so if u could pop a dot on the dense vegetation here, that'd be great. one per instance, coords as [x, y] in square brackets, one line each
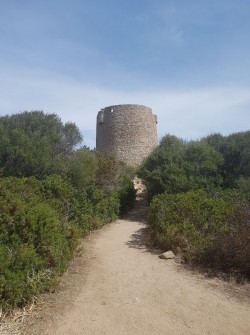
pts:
[199, 193]
[51, 193]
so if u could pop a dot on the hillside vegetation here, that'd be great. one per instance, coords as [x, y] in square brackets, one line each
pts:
[52, 191]
[199, 193]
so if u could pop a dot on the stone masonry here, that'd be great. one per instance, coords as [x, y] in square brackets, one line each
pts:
[126, 131]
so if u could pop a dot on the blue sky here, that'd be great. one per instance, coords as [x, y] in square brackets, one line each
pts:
[189, 60]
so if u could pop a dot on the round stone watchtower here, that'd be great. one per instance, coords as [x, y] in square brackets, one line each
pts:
[126, 131]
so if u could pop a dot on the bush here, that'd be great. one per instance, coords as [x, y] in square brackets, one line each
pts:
[243, 187]
[36, 144]
[66, 194]
[230, 250]
[212, 230]
[127, 196]
[40, 222]
[35, 245]
[60, 194]
[176, 166]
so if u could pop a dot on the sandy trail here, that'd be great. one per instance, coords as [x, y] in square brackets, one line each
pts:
[126, 289]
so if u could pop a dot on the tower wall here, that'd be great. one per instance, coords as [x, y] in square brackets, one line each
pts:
[126, 131]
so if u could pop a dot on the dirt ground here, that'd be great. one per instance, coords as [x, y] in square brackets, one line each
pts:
[118, 285]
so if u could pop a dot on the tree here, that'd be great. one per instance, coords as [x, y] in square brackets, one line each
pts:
[202, 165]
[235, 149]
[82, 168]
[177, 166]
[163, 170]
[36, 144]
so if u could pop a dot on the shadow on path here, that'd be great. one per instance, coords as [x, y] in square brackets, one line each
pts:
[141, 239]
[139, 212]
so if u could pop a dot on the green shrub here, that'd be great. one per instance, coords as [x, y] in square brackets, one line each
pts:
[71, 193]
[243, 187]
[176, 166]
[213, 230]
[82, 168]
[94, 208]
[60, 194]
[230, 249]
[36, 144]
[40, 222]
[35, 245]
[127, 196]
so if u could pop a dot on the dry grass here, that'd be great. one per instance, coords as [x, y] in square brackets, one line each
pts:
[12, 323]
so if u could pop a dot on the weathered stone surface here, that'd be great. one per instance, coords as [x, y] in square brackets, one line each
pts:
[140, 188]
[126, 131]
[167, 255]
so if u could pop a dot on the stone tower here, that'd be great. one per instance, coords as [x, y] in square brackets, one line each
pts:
[126, 131]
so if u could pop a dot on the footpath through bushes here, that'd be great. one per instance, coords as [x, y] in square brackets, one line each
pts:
[40, 224]
[51, 194]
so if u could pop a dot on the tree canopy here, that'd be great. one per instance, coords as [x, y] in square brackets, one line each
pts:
[178, 166]
[35, 143]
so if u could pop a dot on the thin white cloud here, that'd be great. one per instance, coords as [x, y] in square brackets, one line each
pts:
[177, 34]
[187, 114]
[199, 112]
[142, 17]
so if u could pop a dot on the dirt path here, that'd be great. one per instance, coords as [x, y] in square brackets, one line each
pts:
[126, 289]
